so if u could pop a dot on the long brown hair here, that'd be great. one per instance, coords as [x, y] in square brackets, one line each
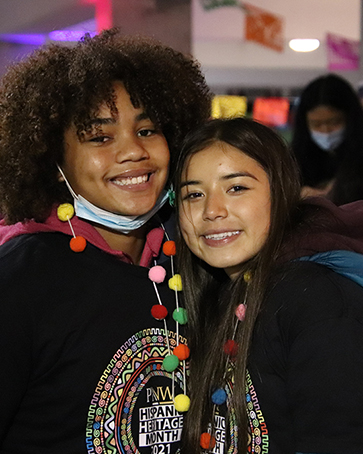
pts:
[210, 297]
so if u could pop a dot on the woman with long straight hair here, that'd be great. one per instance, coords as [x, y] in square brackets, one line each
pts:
[273, 292]
[328, 139]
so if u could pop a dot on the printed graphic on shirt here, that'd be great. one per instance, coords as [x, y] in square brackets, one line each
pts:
[132, 408]
[227, 442]
[258, 429]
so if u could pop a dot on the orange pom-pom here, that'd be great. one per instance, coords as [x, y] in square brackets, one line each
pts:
[169, 248]
[182, 351]
[78, 244]
[207, 441]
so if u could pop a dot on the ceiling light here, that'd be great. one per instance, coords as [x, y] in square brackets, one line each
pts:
[304, 45]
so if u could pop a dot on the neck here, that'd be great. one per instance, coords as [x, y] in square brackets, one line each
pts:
[131, 244]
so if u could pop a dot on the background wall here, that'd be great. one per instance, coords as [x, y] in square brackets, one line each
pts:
[166, 20]
[215, 37]
[229, 61]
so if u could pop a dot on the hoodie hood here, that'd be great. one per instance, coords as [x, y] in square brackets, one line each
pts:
[152, 246]
[331, 236]
[325, 227]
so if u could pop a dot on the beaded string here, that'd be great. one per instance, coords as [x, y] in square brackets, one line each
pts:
[219, 396]
[157, 275]
[65, 213]
[181, 352]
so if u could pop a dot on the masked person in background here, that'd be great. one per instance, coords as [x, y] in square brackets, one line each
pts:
[92, 128]
[328, 140]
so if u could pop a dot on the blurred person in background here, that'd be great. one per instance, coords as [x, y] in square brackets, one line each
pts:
[328, 140]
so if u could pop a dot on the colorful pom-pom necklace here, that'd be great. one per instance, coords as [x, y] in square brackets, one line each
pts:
[181, 352]
[219, 395]
[65, 213]
[157, 275]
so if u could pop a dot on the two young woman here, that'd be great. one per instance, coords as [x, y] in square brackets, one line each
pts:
[273, 288]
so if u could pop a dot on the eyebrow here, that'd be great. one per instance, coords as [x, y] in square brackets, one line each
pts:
[107, 121]
[227, 177]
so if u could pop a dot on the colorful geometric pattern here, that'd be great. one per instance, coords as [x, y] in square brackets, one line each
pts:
[132, 408]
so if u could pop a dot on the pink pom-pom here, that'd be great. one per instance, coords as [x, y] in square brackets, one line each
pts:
[157, 274]
[241, 312]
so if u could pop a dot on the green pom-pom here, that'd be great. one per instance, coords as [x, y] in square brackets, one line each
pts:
[180, 315]
[170, 363]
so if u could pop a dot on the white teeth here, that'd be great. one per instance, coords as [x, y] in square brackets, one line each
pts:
[131, 181]
[221, 236]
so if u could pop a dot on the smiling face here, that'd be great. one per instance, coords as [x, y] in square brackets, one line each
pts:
[121, 165]
[225, 207]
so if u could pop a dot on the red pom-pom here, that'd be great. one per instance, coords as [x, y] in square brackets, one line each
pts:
[78, 244]
[159, 311]
[230, 347]
[169, 248]
[182, 352]
[207, 441]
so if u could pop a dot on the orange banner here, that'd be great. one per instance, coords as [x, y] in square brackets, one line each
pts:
[271, 111]
[264, 28]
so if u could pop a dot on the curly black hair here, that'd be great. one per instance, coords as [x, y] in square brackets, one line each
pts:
[58, 86]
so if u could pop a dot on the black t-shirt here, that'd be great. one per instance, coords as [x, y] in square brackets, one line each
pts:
[306, 362]
[81, 355]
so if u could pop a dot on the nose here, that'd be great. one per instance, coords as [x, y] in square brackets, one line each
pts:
[130, 148]
[326, 127]
[214, 208]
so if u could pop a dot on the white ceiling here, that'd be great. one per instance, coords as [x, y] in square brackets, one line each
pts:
[216, 37]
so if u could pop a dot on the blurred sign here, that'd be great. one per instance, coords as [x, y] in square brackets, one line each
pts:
[343, 53]
[211, 4]
[264, 28]
[229, 106]
[271, 111]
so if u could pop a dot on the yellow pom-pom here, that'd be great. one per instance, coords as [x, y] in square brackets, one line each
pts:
[175, 283]
[65, 212]
[181, 403]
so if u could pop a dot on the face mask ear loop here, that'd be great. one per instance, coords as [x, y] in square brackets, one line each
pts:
[74, 195]
[171, 195]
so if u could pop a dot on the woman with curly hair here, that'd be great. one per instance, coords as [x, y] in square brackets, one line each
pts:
[95, 126]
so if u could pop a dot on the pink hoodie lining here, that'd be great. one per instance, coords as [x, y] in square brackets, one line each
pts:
[151, 249]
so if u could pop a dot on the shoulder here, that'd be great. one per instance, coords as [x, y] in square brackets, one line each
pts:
[46, 256]
[303, 294]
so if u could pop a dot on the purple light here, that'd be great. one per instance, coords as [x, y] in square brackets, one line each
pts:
[68, 35]
[35, 39]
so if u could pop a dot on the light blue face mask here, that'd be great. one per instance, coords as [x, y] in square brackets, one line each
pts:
[124, 224]
[328, 141]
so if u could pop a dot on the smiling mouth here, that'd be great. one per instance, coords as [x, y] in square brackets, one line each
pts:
[132, 181]
[221, 236]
